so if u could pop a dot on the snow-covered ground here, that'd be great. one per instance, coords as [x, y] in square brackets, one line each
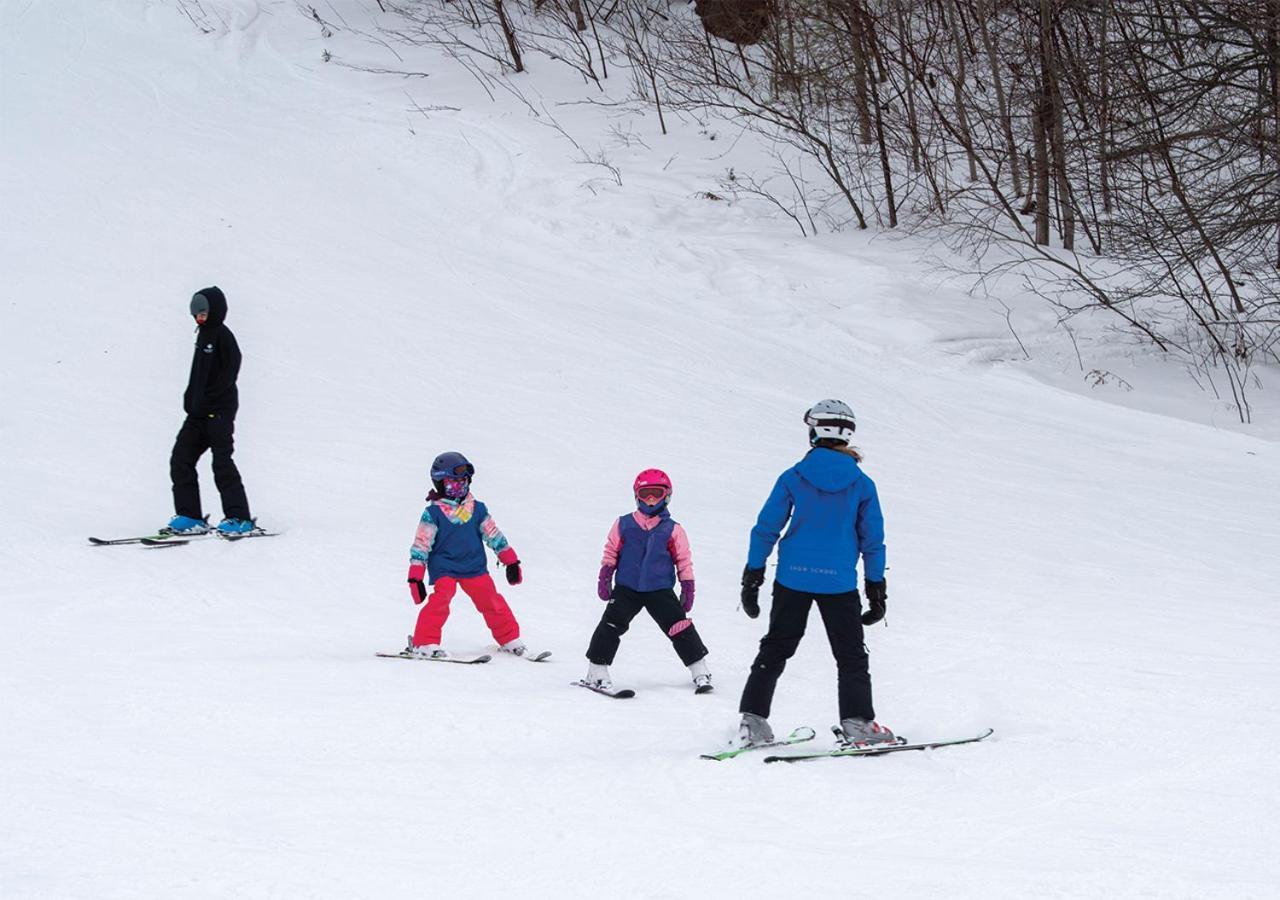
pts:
[1092, 572]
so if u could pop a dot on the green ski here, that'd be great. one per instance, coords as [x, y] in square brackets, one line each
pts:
[799, 736]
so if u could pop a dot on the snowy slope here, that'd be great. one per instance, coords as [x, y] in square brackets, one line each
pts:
[1095, 581]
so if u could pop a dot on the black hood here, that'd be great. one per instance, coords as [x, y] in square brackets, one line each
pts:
[217, 306]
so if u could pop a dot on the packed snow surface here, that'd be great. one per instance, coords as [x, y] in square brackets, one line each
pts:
[412, 267]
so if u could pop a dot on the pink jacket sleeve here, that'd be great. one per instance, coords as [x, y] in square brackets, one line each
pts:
[612, 544]
[680, 552]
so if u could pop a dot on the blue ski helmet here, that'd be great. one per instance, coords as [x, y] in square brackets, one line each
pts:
[451, 465]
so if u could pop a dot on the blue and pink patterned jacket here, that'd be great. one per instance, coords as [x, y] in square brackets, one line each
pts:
[451, 538]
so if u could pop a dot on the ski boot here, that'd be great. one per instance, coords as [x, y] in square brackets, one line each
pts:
[425, 651]
[186, 525]
[701, 677]
[515, 648]
[754, 730]
[861, 733]
[598, 677]
[230, 527]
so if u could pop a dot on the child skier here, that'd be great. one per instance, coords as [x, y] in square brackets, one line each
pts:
[835, 517]
[644, 554]
[448, 549]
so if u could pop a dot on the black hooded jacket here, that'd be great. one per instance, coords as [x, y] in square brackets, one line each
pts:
[211, 389]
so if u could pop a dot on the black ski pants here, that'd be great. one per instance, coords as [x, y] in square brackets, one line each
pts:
[665, 609]
[216, 433]
[788, 615]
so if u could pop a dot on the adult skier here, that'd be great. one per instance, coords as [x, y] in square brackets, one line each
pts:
[834, 516]
[645, 553]
[448, 552]
[211, 402]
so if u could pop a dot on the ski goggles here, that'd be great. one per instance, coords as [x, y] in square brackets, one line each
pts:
[829, 422]
[652, 493]
[462, 470]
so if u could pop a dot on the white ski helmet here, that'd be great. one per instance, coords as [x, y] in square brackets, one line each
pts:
[831, 419]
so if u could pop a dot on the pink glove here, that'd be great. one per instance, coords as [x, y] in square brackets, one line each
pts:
[417, 590]
[686, 595]
[604, 585]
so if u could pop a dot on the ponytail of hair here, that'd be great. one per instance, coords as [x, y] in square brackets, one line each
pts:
[840, 447]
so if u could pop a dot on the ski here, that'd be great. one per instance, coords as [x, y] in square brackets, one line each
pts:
[172, 539]
[112, 542]
[179, 540]
[880, 750]
[799, 736]
[541, 656]
[623, 694]
[460, 660]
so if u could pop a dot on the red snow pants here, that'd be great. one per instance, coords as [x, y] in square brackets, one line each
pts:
[483, 593]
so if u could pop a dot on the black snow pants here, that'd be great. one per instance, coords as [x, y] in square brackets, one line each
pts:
[788, 615]
[216, 433]
[665, 609]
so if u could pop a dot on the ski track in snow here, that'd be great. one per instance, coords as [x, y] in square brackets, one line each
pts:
[1094, 581]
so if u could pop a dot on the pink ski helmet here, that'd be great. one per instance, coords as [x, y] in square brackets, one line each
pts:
[652, 490]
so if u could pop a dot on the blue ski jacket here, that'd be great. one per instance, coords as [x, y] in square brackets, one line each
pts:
[835, 518]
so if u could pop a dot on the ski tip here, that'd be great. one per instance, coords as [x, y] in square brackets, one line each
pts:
[541, 656]
[258, 532]
[528, 656]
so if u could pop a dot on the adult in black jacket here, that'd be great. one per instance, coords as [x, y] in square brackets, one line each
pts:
[211, 402]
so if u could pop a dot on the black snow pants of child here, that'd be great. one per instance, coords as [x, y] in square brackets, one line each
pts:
[216, 433]
[665, 609]
[842, 616]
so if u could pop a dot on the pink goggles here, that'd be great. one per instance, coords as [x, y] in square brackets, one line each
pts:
[652, 493]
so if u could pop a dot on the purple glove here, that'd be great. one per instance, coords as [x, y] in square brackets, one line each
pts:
[604, 586]
[686, 594]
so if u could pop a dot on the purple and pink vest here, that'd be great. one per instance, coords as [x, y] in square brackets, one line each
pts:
[644, 560]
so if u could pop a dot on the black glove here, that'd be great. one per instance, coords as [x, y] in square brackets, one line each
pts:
[419, 589]
[751, 581]
[513, 573]
[877, 594]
